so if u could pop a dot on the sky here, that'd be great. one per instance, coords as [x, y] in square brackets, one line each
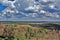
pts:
[29, 10]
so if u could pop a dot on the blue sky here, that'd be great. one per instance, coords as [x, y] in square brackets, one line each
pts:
[2, 7]
[29, 10]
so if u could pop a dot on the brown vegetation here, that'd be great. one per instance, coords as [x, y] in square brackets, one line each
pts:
[26, 32]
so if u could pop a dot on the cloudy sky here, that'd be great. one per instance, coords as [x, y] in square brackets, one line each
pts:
[29, 10]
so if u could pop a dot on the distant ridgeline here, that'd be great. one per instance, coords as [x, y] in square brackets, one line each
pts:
[2, 7]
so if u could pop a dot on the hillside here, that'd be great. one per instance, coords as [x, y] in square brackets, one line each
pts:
[29, 31]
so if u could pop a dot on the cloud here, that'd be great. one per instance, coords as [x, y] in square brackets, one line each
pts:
[33, 9]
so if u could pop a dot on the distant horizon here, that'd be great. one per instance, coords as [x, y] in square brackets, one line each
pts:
[34, 21]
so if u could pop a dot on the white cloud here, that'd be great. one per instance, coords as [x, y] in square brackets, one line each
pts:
[17, 11]
[9, 3]
[30, 8]
[52, 15]
[45, 0]
[34, 15]
[4, 13]
[48, 0]
[34, 8]
[42, 11]
[52, 6]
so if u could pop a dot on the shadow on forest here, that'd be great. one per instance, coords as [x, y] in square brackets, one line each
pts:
[47, 26]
